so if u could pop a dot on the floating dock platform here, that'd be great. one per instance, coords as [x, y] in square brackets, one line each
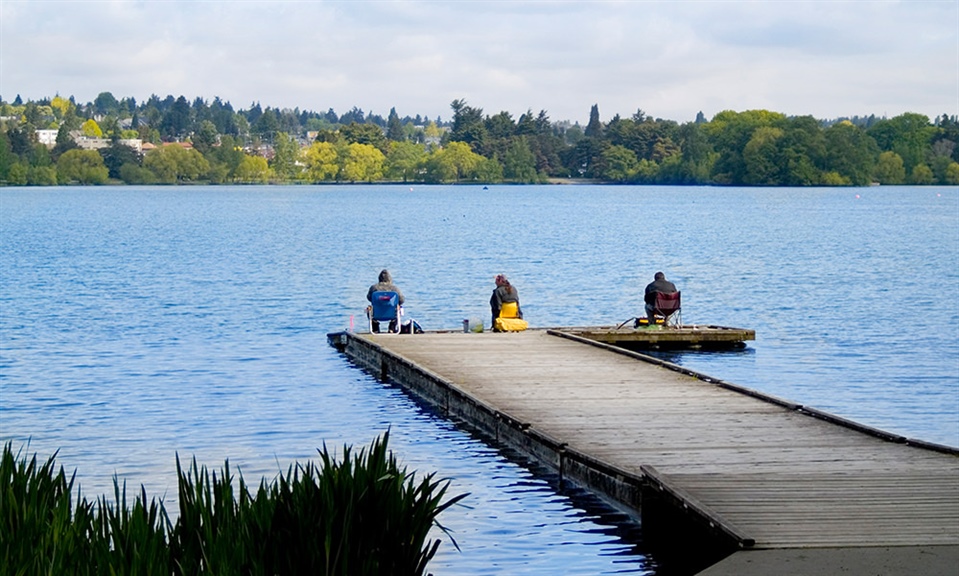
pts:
[662, 336]
[741, 482]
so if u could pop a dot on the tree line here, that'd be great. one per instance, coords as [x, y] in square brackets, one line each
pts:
[211, 142]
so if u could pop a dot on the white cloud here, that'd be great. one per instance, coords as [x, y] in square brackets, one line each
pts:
[672, 59]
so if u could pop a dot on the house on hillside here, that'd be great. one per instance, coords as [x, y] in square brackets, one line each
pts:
[47, 137]
[88, 143]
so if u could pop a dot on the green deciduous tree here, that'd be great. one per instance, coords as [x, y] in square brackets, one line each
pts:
[951, 176]
[253, 170]
[405, 160]
[639, 134]
[730, 132]
[363, 163]
[487, 171]
[91, 129]
[456, 161]
[921, 174]
[851, 153]
[106, 103]
[162, 164]
[696, 159]
[940, 156]
[286, 152]
[762, 158]
[619, 164]
[802, 152]
[755, 147]
[908, 135]
[519, 163]
[890, 169]
[431, 131]
[321, 161]
[835, 179]
[111, 127]
[7, 157]
[174, 164]
[649, 172]
[82, 167]
[42, 176]
[61, 107]
[224, 159]
[18, 174]
[136, 174]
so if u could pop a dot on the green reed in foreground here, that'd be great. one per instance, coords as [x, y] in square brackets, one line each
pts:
[361, 514]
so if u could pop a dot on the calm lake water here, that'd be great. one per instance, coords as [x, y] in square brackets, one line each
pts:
[137, 323]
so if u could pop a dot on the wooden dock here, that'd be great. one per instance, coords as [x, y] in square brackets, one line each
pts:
[774, 483]
[661, 336]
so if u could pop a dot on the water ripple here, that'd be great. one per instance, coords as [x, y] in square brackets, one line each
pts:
[138, 324]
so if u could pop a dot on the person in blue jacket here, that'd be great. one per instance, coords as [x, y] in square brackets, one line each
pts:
[385, 284]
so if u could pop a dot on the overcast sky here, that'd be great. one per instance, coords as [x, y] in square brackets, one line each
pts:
[672, 59]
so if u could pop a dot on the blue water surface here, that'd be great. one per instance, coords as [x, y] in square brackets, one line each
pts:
[138, 323]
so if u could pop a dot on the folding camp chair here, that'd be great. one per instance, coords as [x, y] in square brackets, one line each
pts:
[668, 307]
[385, 307]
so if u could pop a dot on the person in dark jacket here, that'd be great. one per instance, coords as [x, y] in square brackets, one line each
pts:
[659, 284]
[385, 284]
[503, 293]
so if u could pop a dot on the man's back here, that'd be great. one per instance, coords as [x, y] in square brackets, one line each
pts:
[659, 284]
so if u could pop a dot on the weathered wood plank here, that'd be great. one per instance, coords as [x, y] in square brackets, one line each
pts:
[687, 335]
[784, 478]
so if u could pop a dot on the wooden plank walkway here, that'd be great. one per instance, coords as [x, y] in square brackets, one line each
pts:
[776, 475]
[686, 336]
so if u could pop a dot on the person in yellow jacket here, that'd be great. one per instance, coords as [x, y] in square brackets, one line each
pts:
[504, 302]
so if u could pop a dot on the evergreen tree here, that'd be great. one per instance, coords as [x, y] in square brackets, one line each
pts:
[177, 122]
[468, 124]
[394, 128]
[595, 128]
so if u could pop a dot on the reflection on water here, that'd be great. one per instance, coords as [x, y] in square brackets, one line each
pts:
[695, 356]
